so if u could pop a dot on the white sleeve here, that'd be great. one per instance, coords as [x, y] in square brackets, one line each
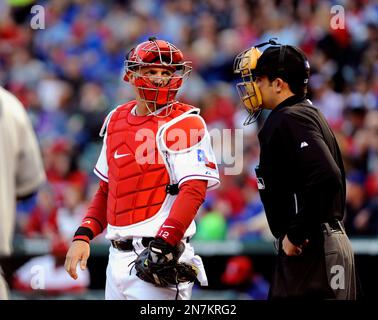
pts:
[198, 162]
[30, 172]
[101, 167]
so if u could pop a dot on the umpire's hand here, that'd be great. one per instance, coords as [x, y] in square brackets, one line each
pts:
[78, 251]
[291, 249]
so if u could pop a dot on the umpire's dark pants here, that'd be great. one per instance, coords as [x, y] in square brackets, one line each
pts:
[324, 270]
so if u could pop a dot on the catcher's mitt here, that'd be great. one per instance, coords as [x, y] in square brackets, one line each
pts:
[158, 264]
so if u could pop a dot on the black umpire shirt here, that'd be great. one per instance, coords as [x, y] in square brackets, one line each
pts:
[301, 176]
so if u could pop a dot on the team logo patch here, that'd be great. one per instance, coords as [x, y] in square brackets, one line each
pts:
[201, 156]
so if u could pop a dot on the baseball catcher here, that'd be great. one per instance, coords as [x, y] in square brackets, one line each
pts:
[155, 167]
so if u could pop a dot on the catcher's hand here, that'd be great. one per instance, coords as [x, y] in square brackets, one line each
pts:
[158, 264]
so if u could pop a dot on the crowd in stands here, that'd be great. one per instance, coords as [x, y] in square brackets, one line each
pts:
[69, 76]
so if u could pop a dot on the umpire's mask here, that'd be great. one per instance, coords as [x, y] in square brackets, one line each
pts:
[250, 95]
[278, 61]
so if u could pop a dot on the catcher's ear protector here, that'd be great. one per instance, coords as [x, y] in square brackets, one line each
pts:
[156, 54]
[250, 95]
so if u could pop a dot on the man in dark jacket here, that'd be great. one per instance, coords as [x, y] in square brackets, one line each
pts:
[300, 177]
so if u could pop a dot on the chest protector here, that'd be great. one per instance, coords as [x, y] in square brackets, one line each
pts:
[137, 174]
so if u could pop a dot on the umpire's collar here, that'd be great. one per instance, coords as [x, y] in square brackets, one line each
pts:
[289, 102]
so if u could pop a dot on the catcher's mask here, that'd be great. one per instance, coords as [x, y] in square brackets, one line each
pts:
[160, 54]
[278, 61]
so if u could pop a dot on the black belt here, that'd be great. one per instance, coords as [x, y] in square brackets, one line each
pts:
[127, 245]
[332, 225]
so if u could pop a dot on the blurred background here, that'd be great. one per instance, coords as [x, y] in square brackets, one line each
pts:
[69, 75]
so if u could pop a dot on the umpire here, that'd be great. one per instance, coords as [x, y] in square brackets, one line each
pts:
[301, 177]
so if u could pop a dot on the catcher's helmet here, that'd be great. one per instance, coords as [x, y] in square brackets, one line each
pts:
[278, 61]
[162, 54]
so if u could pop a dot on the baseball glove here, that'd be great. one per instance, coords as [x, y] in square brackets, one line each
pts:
[158, 264]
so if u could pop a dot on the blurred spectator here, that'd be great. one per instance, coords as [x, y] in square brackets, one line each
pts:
[45, 275]
[327, 100]
[362, 153]
[355, 112]
[371, 127]
[361, 212]
[239, 274]
[41, 221]
[72, 211]
[62, 168]
[251, 224]
[48, 218]
[211, 226]
[219, 108]
[93, 108]
[229, 193]
[25, 70]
